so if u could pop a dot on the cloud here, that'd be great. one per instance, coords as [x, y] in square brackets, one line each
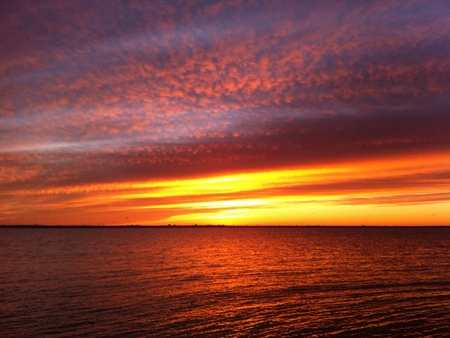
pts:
[260, 146]
[103, 92]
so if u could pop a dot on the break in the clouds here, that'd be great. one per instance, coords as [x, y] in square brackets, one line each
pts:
[109, 92]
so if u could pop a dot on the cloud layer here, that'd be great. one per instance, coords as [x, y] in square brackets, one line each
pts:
[111, 92]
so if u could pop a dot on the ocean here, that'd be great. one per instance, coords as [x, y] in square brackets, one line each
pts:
[225, 282]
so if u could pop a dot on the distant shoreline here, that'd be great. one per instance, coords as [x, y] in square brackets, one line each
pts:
[223, 226]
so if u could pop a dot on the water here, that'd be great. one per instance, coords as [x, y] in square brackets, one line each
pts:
[262, 282]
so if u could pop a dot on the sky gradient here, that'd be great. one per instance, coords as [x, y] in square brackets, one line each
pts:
[225, 112]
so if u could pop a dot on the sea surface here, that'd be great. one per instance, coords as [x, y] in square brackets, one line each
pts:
[225, 282]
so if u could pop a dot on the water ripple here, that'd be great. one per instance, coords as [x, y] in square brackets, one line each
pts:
[216, 282]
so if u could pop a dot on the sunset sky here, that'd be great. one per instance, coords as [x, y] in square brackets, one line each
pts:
[225, 112]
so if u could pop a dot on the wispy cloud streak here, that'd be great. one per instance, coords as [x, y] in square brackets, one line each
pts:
[108, 92]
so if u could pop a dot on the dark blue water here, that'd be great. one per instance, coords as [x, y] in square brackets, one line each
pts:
[262, 282]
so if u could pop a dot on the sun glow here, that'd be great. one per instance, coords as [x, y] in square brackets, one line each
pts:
[316, 195]
[353, 193]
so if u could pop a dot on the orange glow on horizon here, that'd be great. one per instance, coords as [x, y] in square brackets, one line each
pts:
[238, 113]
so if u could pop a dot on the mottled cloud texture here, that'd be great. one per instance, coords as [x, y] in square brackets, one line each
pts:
[116, 92]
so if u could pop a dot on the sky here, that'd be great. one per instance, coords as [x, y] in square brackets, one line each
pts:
[225, 112]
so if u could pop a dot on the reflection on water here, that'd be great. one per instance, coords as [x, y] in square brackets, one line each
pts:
[225, 281]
